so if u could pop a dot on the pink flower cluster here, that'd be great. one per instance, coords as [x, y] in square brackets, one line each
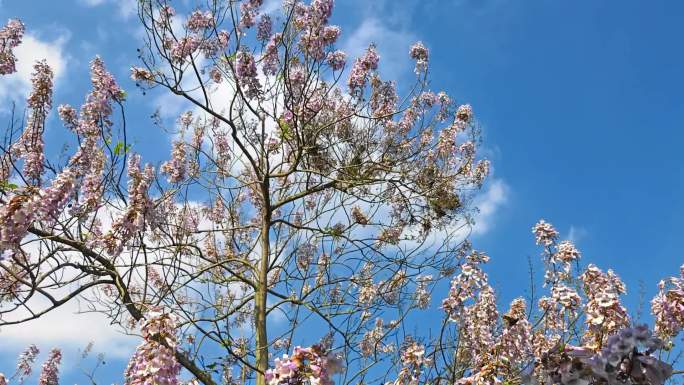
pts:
[269, 59]
[466, 285]
[26, 361]
[361, 69]
[420, 54]
[316, 35]
[105, 92]
[312, 365]
[30, 145]
[176, 168]
[198, 21]
[185, 47]
[249, 10]
[558, 257]
[140, 207]
[153, 363]
[10, 37]
[668, 306]
[22, 209]
[545, 233]
[50, 372]
[515, 343]
[336, 60]
[604, 313]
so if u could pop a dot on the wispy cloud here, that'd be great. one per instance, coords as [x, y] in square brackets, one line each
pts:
[489, 203]
[126, 8]
[576, 233]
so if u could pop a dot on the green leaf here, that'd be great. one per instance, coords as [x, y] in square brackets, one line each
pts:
[5, 185]
[118, 149]
[285, 129]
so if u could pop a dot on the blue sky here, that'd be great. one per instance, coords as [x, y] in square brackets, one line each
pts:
[580, 102]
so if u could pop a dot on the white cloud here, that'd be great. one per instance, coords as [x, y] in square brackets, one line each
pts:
[126, 8]
[488, 204]
[271, 6]
[17, 85]
[67, 329]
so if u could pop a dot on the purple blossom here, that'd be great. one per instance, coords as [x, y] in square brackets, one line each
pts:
[223, 39]
[269, 60]
[264, 28]
[246, 72]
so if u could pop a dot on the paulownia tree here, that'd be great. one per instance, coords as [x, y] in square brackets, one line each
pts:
[300, 188]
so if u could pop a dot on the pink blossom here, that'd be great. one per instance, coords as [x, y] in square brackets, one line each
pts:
[668, 306]
[249, 10]
[69, 116]
[336, 60]
[545, 233]
[140, 209]
[362, 67]
[464, 113]
[154, 363]
[50, 372]
[30, 143]
[199, 21]
[176, 168]
[311, 365]
[166, 12]
[185, 47]
[10, 37]
[26, 361]
[223, 39]
[420, 54]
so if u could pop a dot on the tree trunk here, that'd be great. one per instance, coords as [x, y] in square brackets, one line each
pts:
[260, 301]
